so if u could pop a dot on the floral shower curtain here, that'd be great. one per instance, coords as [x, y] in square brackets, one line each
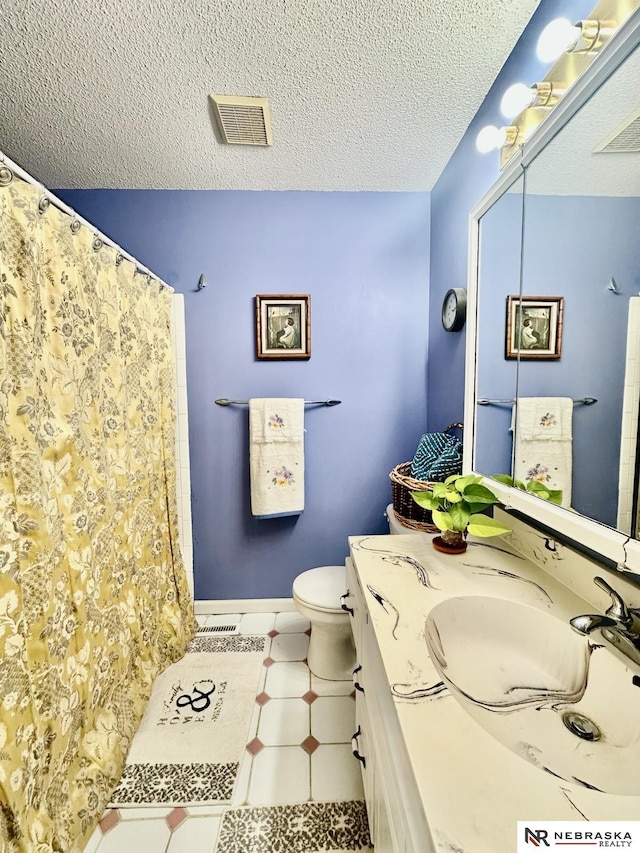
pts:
[93, 595]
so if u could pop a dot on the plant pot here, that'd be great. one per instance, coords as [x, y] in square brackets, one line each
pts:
[456, 545]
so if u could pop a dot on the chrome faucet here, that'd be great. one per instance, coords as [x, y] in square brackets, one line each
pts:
[620, 625]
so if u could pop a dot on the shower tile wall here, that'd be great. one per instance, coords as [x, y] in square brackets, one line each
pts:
[183, 478]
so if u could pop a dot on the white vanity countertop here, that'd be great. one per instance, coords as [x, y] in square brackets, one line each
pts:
[473, 789]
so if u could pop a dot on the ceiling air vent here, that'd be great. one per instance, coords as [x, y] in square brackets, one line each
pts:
[243, 121]
[625, 139]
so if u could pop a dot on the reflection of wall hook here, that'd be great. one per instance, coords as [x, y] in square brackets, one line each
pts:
[613, 287]
[551, 545]
[202, 282]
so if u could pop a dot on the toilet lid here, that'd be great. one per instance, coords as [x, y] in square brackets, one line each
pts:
[322, 587]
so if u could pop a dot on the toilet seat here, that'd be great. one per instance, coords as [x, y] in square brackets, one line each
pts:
[317, 595]
[321, 588]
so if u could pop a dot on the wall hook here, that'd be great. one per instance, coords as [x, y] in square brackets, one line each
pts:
[613, 287]
[202, 282]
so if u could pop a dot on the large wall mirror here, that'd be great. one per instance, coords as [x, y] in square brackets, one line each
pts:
[559, 239]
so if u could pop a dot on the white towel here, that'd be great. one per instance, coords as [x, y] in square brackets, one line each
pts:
[276, 455]
[543, 442]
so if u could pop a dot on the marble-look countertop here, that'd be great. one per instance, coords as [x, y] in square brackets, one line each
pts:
[474, 789]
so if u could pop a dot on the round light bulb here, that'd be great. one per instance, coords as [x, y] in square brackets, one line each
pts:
[557, 37]
[517, 98]
[490, 138]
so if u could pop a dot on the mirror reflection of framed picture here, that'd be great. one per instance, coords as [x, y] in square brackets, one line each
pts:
[283, 326]
[534, 327]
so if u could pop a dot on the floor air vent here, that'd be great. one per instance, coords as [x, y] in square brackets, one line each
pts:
[218, 629]
[625, 139]
[243, 121]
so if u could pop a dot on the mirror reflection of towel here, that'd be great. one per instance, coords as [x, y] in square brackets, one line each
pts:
[542, 428]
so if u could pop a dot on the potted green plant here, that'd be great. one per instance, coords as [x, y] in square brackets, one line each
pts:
[457, 507]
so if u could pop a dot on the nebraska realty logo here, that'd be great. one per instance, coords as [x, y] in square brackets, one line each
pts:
[578, 834]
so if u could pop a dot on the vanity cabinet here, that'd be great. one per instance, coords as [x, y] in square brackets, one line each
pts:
[444, 771]
[396, 817]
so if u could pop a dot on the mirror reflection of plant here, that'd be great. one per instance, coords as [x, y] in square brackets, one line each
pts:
[534, 487]
[458, 504]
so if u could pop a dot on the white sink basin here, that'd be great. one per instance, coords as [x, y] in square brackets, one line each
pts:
[563, 704]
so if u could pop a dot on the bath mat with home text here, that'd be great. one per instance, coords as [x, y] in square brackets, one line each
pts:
[303, 828]
[188, 747]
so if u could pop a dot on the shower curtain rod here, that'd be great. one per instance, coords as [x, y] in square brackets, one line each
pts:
[57, 202]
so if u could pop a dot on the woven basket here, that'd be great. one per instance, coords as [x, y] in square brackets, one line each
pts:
[407, 511]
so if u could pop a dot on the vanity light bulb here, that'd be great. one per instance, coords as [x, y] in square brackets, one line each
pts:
[516, 99]
[556, 38]
[490, 138]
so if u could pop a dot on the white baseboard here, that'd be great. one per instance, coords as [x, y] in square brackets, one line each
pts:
[205, 607]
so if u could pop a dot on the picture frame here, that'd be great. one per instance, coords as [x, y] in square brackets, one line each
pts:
[534, 327]
[283, 326]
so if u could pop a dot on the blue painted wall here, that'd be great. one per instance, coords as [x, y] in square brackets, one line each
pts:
[466, 178]
[364, 259]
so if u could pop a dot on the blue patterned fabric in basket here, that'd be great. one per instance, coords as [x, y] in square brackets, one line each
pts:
[438, 456]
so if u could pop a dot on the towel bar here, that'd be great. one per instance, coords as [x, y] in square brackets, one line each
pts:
[224, 402]
[587, 401]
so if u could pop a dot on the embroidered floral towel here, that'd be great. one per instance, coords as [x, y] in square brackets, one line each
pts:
[543, 442]
[276, 455]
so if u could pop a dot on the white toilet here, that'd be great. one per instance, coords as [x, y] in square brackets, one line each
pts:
[317, 595]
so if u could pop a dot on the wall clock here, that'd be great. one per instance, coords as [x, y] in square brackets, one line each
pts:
[454, 309]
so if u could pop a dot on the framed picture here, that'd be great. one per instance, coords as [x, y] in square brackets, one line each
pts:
[283, 326]
[534, 326]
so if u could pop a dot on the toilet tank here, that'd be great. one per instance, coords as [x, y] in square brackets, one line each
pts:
[394, 524]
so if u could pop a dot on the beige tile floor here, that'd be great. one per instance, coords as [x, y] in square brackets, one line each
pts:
[298, 749]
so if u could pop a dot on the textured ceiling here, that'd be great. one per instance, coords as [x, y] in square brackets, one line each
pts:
[364, 94]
